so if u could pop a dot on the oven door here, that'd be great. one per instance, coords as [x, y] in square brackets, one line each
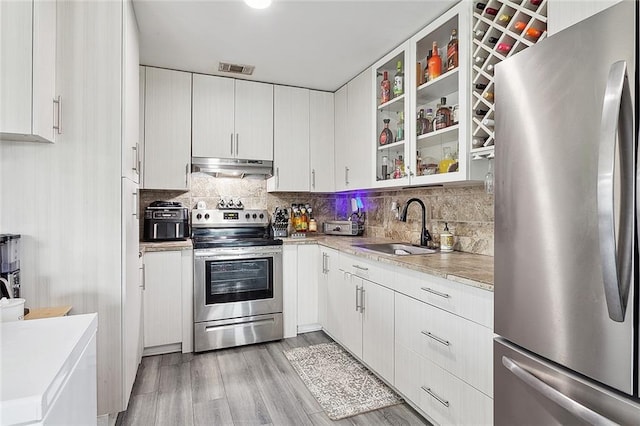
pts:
[237, 282]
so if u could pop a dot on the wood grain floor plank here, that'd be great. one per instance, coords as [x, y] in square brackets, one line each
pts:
[174, 405]
[206, 380]
[175, 358]
[316, 337]
[304, 397]
[276, 391]
[141, 410]
[321, 419]
[215, 412]
[148, 375]
[245, 401]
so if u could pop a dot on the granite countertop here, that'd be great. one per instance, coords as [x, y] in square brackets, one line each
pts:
[466, 268]
[146, 246]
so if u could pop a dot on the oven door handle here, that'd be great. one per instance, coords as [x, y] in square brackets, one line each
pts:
[222, 255]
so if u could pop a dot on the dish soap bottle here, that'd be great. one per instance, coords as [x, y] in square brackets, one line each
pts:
[446, 240]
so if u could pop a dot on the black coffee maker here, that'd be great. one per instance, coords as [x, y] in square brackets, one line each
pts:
[10, 265]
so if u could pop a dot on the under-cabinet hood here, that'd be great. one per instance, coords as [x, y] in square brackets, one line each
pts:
[232, 167]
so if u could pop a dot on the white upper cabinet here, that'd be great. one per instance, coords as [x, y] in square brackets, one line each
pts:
[213, 113]
[167, 122]
[131, 160]
[29, 106]
[232, 118]
[359, 133]
[321, 141]
[340, 142]
[291, 139]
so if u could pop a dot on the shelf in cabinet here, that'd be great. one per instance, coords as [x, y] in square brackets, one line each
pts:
[482, 153]
[435, 89]
[391, 145]
[436, 137]
[393, 105]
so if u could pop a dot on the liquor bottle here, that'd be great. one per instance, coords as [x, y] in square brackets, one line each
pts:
[419, 76]
[452, 50]
[519, 26]
[504, 18]
[492, 40]
[386, 136]
[435, 63]
[398, 80]
[479, 33]
[481, 112]
[480, 86]
[401, 162]
[385, 88]
[533, 33]
[400, 127]
[443, 115]
[481, 6]
[447, 160]
[426, 68]
[385, 168]
[503, 47]
[418, 164]
[429, 120]
[491, 11]
[425, 125]
[419, 129]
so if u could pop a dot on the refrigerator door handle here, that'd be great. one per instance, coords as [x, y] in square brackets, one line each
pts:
[555, 396]
[617, 257]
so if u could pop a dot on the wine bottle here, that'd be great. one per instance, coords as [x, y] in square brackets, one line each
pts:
[488, 96]
[533, 33]
[491, 11]
[480, 86]
[480, 6]
[479, 33]
[489, 68]
[492, 40]
[488, 122]
[503, 47]
[481, 112]
[504, 18]
[435, 63]
[536, 2]
[452, 50]
[385, 88]
[479, 60]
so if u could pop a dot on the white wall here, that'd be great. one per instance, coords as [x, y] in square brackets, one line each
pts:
[564, 13]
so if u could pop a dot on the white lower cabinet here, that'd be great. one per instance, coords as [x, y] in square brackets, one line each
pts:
[377, 329]
[167, 319]
[307, 288]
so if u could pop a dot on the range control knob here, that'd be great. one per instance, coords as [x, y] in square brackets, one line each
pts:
[247, 216]
[198, 216]
[261, 216]
[255, 215]
[206, 216]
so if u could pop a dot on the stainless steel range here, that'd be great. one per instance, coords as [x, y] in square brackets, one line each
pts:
[237, 279]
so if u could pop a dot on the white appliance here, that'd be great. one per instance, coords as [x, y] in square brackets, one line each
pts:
[566, 288]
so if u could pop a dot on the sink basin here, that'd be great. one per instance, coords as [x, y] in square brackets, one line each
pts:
[398, 249]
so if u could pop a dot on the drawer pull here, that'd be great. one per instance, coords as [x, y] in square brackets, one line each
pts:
[362, 268]
[436, 338]
[437, 293]
[433, 394]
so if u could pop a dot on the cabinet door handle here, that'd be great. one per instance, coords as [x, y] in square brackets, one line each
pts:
[437, 293]
[278, 177]
[313, 178]
[362, 299]
[436, 396]
[357, 304]
[237, 145]
[231, 148]
[144, 278]
[324, 263]
[346, 175]
[362, 268]
[135, 204]
[436, 338]
[58, 123]
[135, 158]
[186, 175]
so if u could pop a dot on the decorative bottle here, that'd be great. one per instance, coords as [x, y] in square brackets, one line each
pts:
[386, 136]
[400, 127]
[398, 80]
[385, 89]
[452, 51]
[435, 63]
[443, 115]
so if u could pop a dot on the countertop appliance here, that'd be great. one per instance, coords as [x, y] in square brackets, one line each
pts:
[280, 223]
[237, 279]
[166, 221]
[10, 265]
[566, 288]
[343, 227]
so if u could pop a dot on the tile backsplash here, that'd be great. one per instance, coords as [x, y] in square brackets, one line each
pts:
[468, 210]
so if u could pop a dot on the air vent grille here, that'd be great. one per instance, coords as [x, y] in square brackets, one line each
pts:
[236, 68]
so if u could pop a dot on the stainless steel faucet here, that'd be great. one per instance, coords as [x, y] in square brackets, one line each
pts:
[425, 237]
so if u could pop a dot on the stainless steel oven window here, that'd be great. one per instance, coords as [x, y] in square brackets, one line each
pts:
[237, 280]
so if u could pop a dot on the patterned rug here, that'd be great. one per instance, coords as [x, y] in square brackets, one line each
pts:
[342, 386]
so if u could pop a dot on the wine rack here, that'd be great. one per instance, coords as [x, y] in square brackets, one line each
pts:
[501, 29]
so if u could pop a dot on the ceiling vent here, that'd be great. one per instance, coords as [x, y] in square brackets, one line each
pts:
[235, 68]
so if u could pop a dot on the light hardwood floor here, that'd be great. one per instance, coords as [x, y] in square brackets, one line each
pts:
[249, 385]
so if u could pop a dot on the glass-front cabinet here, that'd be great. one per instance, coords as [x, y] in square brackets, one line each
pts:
[423, 133]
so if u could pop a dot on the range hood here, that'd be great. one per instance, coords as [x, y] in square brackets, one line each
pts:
[232, 167]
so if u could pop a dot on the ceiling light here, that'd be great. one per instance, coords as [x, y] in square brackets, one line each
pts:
[258, 4]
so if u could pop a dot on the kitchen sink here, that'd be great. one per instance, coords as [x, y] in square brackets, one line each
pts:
[398, 249]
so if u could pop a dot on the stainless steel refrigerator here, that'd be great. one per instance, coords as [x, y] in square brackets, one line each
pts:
[566, 259]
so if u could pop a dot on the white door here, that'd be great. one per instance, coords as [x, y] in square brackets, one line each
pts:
[307, 287]
[378, 329]
[254, 120]
[213, 116]
[341, 138]
[321, 141]
[291, 139]
[162, 298]
[167, 151]
[351, 315]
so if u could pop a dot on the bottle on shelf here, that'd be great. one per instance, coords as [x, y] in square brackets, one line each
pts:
[480, 86]
[503, 47]
[398, 80]
[519, 26]
[455, 110]
[428, 117]
[488, 122]
[488, 96]
[385, 88]
[425, 76]
[401, 163]
[492, 40]
[481, 6]
[489, 68]
[447, 160]
[533, 33]
[418, 164]
[419, 76]
[385, 168]
[443, 115]
[425, 123]
[491, 11]
[386, 136]
[481, 112]
[504, 18]
[400, 127]
[536, 2]
[452, 50]
[435, 63]
[479, 33]
[479, 60]
[419, 129]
